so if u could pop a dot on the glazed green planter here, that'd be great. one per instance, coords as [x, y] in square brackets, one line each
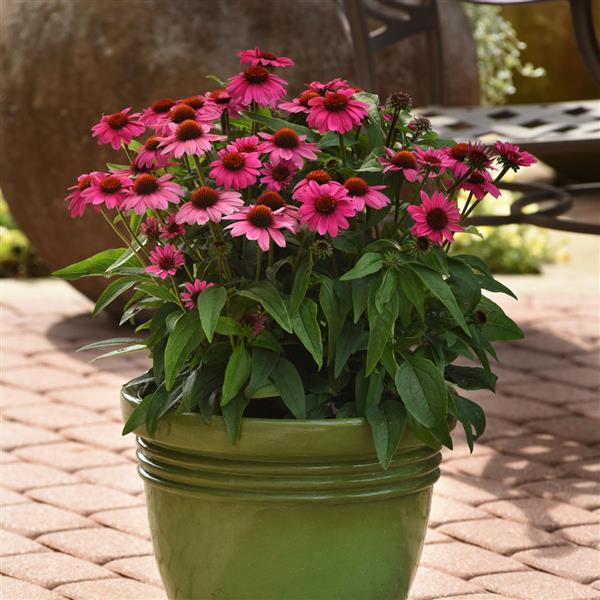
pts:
[296, 510]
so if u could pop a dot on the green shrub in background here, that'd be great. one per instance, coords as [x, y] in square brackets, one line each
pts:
[509, 249]
[17, 257]
[498, 53]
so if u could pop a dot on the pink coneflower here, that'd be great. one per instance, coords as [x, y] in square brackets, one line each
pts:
[336, 111]
[206, 109]
[108, 189]
[257, 84]
[78, 202]
[156, 113]
[260, 223]
[457, 155]
[189, 137]
[118, 128]
[235, 169]
[171, 229]
[224, 102]
[318, 175]
[363, 194]
[181, 112]
[249, 143]
[331, 86]
[433, 162]
[153, 192]
[275, 201]
[255, 57]
[299, 104]
[403, 161]
[277, 176]
[480, 183]
[165, 260]
[436, 218]
[192, 291]
[286, 144]
[256, 320]
[208, 204]
[512, 157]
[150, 155]
[325, 208]
[150, 228]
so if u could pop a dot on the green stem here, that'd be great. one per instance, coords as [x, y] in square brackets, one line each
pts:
[199, 170]
[127, 153]
[121, 236]
[342, 148]
[254, 108]
[270, 255]
[176, 291]
[389, 138]
[397, 219]
[258, 262]
[131, 232]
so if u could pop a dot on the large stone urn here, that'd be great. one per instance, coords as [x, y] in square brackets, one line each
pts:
[66, 62]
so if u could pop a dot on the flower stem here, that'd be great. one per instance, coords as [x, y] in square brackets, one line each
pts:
[127, 153]
[259, 254]
[121, 236]
[199, 170]
[342, 148]
[389, 138]
[131, 232]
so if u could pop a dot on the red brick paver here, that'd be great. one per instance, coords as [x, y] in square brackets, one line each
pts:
[518, 519]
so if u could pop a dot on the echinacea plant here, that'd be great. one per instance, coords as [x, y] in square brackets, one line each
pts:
[290, 259]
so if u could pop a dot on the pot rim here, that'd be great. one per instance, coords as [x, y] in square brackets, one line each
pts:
[266, 439]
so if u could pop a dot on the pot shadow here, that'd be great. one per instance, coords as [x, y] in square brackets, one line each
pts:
[74, 332]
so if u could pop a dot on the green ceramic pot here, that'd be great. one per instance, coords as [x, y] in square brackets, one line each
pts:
[296, 510]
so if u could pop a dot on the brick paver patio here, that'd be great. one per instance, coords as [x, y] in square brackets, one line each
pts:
[520, 518]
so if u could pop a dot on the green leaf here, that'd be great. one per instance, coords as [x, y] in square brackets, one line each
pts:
[263, 363]
[471, 378]
[301, 283]
[381, 327]
[368, 263]
[471, 416]
[306, 327]
[375, 389]
[237, 373]
[465, 285]
[423, 391]
[267, 390]
[108, 343]
[183, 340]
[94, 266]
[233, 412]
[289, 383]
[210, 304]
[375, 131]
[497, 325]
[388, 422]
[138, 417]
[486, 278]
[228, 326]
[360, 295]
[157, 291]
[158, 405]
[386, 290]
[265, 339]
[111, 292]
[412, 287]
[439, 288]
[266, 294]
[349, 341]
[331, 309]
[125, 350]
[275, 124]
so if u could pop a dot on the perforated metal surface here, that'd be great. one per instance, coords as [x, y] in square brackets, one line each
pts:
[539, 127]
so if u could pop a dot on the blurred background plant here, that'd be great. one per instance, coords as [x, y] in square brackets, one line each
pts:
[510, 249]
[498, 53]
[17, 257]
